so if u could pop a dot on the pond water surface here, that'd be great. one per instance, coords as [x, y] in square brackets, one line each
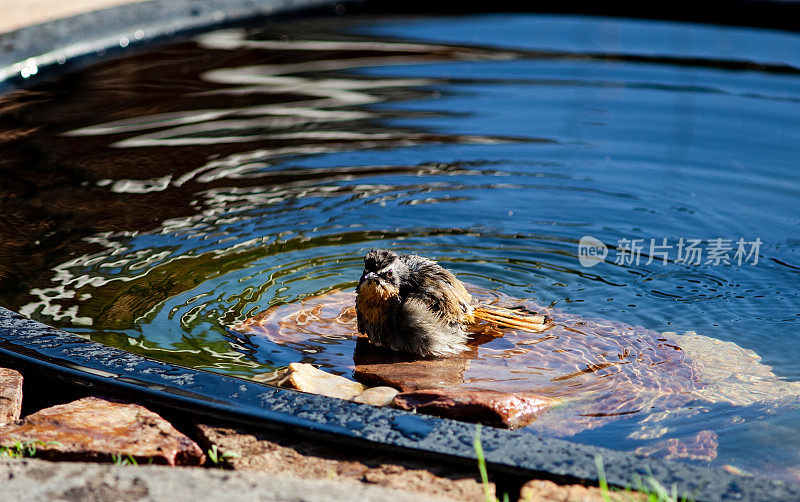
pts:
[156, 200]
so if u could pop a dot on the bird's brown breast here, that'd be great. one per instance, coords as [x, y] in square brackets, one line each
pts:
[372, 301]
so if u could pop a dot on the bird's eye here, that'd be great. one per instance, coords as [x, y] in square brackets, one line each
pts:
[389, 274]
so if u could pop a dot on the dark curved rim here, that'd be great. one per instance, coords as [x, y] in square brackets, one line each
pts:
[50, 353]
[64, 43]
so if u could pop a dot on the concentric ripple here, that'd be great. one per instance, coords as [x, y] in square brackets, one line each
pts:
[685, 286]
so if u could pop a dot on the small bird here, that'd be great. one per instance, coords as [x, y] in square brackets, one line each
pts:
[411, 304]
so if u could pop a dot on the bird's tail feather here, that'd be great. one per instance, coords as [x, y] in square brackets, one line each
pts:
[507, 318]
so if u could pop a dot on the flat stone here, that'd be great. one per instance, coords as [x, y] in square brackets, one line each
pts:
[307, 378]
[94, 429]
[379, 366]
[10, 395]
[488, 407]
[416, 375]
[377, 396]
[281, 453]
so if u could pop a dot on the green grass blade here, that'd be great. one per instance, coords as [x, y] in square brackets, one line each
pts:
[601, 475]
[487, 492]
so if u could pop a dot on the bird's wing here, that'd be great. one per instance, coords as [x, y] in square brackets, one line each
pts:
[431, 334]
[437, 286]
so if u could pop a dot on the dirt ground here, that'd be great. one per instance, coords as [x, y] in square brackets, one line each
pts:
[280, 454]
[268, 452]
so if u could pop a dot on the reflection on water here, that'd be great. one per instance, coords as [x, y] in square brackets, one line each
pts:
[156, 201]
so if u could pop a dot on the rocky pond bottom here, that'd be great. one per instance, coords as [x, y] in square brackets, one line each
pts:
[577, 375]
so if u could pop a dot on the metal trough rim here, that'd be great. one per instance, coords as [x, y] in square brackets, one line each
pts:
[51, 353]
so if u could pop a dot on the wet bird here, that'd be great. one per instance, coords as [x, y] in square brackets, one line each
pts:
[411, 304]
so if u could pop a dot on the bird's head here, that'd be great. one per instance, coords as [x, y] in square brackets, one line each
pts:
[383, 274]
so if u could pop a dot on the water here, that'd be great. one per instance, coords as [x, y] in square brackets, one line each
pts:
[157, 200]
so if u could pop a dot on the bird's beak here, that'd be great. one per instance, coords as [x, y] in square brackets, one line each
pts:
[369, 276]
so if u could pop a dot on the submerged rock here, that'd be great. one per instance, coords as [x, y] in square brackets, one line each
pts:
[702, 446]
[598, 370]
[732, 374]
[93, 429]
[488, 407]
[10, 395]
[409, 375]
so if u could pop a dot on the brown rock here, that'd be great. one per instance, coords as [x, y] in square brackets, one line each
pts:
[377, 396]
[94, 429]
[307, 378]
[414, 375]
[10, 395]
[281, 453]
[540, 490]
[489, 407]
[379, 366]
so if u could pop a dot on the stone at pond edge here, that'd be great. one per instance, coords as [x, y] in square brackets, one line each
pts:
[377, 396]
[10, 395]
[93, 429]
[307, 378]
[540, 490]
[488, 407]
